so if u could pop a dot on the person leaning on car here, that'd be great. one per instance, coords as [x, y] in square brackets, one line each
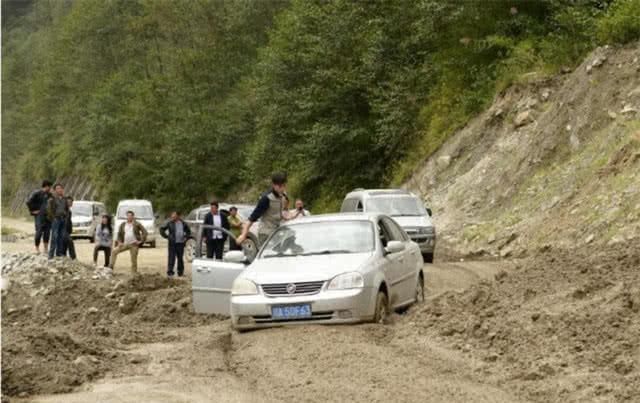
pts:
[215, 239]
[177, 232]
[131, 235]
[268, 210]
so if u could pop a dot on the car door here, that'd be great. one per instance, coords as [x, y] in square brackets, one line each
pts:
[406, 262]
[211, 282]
[392, 265]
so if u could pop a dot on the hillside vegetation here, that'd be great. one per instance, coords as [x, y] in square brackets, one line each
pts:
[180, 100]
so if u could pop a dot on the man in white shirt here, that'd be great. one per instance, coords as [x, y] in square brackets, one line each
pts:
[131, 235]
[214, 238]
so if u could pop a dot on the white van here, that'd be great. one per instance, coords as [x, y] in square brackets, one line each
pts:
[404, 207]
[86, 215]
[143, 210]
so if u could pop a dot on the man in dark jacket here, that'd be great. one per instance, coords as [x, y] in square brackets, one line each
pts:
[37, 205]
[57, 212]
[215, 239]
[69, 246]
[177, 232]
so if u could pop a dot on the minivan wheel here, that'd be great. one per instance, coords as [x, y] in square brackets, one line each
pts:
[153, 244]
[427, 257]
[382, 308]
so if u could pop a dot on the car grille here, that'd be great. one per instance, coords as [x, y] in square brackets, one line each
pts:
[302, 288]
[315, 316]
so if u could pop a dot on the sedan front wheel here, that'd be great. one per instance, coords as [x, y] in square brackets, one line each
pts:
[382, 308]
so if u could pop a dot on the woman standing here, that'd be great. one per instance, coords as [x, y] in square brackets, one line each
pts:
[104, 240]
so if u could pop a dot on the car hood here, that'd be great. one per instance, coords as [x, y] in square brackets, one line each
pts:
[413, 221]
[303, 268]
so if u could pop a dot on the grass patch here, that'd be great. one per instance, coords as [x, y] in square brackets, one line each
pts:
[8, 230]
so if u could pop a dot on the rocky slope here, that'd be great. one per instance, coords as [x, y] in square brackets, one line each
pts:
[552, 163]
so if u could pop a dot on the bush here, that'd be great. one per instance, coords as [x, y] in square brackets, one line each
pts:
[621, 23]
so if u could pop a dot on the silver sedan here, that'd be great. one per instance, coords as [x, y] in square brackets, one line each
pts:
[339, 268]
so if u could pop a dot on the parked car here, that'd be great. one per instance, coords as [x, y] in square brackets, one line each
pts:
[143, 210]
[196, 218]
[86, 216]
[404, 207]
[325, 269]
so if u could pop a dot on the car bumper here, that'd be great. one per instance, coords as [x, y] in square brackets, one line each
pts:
[327, 307]
[427, 243]
[81, 232]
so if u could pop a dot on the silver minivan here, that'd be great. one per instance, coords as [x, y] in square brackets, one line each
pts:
[86, 215]
[404, 207]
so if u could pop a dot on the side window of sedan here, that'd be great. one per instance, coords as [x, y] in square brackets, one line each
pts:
[395, 233]
[384, 233]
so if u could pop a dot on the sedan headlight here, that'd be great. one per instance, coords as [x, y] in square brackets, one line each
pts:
[346, 281]
[242, 286]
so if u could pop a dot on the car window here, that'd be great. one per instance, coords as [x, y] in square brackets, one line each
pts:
[395, 206]
[383, 234]
[83, 209]
[191, 216]
[310, 239]
[359, 207]
[349, 205]
[140, 211]
[397, 232]
[391, 229]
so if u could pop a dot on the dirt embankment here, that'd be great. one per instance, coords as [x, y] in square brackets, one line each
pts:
[552, 162]
[65, 323]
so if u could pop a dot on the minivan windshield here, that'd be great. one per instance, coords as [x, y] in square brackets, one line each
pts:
[312, 239]
[141, 212]
[82, 209]
[396, 206]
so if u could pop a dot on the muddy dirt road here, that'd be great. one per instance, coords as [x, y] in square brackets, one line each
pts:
[208, 362]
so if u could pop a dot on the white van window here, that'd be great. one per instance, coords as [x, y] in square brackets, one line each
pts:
[349, 205]
[141, 212]
[83, 209]
[396, 206]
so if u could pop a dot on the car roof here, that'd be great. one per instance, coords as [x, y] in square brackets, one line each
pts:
[135, 202]
[333, 217]
[381, 192]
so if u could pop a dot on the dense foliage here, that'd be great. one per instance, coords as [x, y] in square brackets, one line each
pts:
[177, 101]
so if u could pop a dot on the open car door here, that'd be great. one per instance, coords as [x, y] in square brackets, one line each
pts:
[211, 280]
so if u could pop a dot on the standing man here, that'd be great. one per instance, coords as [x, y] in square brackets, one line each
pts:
[178, 233]
[37, 205]
[269, 210]
[215, 239]
[131, 235]
[68, 230]
[57, 212]
[236, 228]
[299, 211]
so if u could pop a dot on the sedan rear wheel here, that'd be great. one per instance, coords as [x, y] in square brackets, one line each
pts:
[382, 308]
[420, 290]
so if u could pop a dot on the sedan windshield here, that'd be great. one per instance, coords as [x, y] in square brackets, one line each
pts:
[81, 209]
[396, 206]
[140, 212]
[320, 238]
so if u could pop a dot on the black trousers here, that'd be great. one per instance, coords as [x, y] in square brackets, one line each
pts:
[69, 247]
[43, 229]
[176, 252]
[215, 247]
[107, 254]
[233, 245]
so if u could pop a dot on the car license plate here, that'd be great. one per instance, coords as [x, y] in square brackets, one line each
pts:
[291, 311]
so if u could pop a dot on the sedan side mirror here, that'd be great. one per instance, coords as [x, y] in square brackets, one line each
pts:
[429, 211]
[235, 256]
[394, 247]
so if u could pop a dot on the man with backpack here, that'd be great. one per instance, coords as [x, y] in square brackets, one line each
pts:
[37, 205]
